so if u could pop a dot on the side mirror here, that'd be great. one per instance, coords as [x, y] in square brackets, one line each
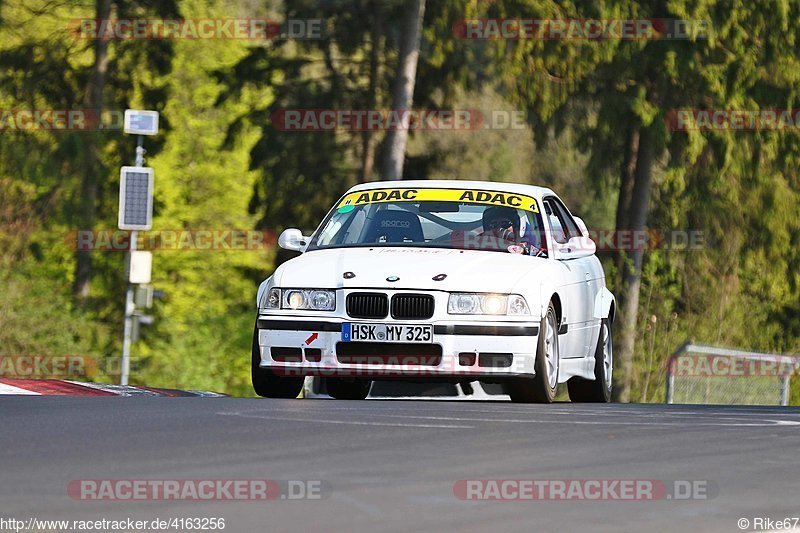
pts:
[292, 239]
[582, 226]
[576, 247]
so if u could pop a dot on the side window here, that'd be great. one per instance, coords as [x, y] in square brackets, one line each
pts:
[533, 231]
[329, 232]
[557, 229]
[565, 221]
[354, 228]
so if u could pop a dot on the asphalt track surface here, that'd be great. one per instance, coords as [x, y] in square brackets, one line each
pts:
[392, 465]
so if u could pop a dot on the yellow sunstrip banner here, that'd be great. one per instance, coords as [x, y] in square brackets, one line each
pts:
[471, 196]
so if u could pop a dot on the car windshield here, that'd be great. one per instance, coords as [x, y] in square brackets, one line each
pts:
[437, 218]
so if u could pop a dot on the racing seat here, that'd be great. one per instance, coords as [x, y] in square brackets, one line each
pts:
[394, 225]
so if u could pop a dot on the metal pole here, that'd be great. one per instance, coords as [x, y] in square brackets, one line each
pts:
[139, 151]
[785, 389]
[670, 387]
[126, 340]
[129, 305]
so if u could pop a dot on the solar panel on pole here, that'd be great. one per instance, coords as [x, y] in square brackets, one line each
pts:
[135, 198]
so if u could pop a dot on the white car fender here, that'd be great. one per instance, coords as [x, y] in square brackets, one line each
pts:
[602, 304]
[546, 291]
[261, 290]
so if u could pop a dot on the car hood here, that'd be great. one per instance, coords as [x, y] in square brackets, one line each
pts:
[471, 270]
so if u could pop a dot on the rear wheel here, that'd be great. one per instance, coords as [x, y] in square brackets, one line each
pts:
[266, 383]
[599, 390]
[348, 389]
[543, 387]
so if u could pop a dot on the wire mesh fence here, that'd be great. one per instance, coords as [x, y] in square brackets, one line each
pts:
[698, 374]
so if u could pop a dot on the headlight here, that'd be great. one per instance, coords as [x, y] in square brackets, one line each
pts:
[325, 300]
[467, 303]
[494, 304]
[464, 304]
[303, 299]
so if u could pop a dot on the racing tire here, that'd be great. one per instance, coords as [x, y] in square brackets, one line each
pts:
[348, 389]
[599, 390]
[266, 383]
[541, 388]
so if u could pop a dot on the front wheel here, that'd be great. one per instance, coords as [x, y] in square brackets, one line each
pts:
[541, 388]
[599, 390]
[266, 383]
[348, 389]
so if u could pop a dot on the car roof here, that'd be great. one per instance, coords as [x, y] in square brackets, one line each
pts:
[521, 188]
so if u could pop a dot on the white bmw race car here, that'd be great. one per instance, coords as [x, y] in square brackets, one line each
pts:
[438, 280]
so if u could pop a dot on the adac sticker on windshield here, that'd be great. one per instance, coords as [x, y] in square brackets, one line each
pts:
[472, 196]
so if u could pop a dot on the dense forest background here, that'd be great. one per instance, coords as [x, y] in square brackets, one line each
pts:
[595, 129]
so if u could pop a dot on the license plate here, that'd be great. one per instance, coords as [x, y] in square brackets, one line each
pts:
[358, 332]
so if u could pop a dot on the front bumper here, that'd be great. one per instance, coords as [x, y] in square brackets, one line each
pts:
[306, 346]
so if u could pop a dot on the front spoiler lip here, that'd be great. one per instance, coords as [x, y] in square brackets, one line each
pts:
[516, 330]
[417, 373]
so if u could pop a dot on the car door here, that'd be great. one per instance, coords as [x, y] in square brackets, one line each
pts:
[577, 301]
[597, 283]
